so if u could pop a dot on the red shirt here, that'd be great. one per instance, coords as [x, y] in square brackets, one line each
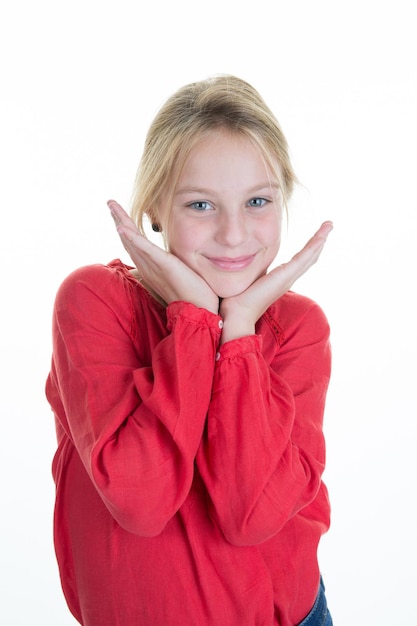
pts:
[188, 476]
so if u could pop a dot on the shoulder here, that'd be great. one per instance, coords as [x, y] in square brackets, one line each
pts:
[296, 315]
[97, 273]
[295, 308]
[96, 282]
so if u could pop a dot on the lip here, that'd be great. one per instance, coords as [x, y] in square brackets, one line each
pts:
[229, 264]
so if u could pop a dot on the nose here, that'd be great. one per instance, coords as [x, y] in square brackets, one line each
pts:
[232, 229]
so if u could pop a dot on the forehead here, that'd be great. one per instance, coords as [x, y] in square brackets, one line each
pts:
[222, 153]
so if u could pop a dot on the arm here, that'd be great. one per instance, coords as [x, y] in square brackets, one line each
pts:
[263, 455]
[135, 425]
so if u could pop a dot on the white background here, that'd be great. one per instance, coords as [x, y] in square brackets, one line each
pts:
[80, 83]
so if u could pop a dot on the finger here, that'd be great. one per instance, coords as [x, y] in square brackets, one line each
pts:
[320, 237]
[312, 249]
[119, 215]
[125, 226]
[324, 230]
[289, 272]
[115, 209]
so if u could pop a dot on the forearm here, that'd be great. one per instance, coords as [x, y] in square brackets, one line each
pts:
[263, 455]
[132, 399]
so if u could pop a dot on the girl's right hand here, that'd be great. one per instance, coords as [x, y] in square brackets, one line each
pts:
[161, 272]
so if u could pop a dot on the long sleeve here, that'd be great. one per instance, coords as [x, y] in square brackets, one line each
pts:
[136, 425]
[263, 454]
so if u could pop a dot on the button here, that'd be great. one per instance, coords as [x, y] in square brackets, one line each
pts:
[217, 356]
[221, 324]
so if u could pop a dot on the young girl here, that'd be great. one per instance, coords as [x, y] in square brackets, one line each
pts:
[189, 390]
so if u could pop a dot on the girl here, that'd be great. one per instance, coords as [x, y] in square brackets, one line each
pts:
[189, 390]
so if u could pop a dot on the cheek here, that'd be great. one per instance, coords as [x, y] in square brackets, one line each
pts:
[181, 242]
[270, 235]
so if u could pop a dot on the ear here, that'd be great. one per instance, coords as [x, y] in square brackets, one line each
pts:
[152, 215]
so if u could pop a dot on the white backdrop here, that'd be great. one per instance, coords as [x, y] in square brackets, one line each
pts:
[80, 82]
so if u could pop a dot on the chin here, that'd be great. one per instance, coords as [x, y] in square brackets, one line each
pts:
[229, 290]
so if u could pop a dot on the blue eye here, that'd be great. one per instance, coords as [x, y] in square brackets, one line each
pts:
[257, 202]
[200, 205]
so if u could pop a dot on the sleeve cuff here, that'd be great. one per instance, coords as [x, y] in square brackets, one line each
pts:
[238, 347]
[194, 315]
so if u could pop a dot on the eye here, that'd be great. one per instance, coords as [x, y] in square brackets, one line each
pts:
[200, 205]
[257, 202]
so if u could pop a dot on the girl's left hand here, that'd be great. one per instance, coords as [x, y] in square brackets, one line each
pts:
[241, 312]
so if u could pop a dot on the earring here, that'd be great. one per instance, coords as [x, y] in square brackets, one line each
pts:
[156, 228]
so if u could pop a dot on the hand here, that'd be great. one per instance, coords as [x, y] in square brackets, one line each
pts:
[241, 312]
[161, 272]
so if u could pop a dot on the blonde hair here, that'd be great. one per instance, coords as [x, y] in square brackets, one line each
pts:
[221, 102]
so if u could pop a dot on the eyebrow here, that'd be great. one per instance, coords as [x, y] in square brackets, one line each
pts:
[201, 190]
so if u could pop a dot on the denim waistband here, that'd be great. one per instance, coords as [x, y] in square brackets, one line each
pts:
[319, 614]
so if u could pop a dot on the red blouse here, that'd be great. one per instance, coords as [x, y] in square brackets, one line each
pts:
[188, 476]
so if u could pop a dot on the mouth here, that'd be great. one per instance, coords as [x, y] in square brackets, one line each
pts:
[229, 264]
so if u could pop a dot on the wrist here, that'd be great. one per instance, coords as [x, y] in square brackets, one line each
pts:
[235, 326]
[238, 321]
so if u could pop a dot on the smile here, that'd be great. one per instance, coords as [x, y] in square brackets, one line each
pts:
[232, 265]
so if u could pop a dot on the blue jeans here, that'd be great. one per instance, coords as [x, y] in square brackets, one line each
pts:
[319, 614]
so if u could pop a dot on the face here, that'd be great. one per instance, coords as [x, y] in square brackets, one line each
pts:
[225, 221]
